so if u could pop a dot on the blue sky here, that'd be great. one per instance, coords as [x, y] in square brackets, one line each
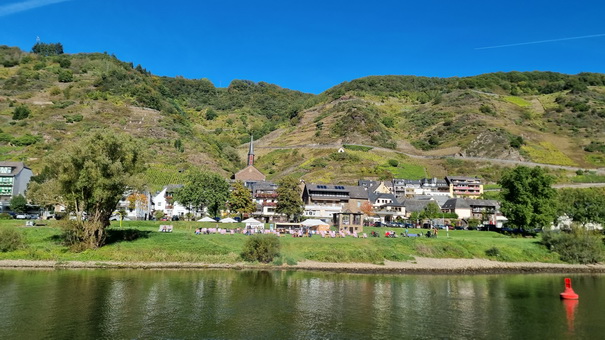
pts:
[313, 45]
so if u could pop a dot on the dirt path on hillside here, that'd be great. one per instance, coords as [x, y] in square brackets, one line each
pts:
[423, 156]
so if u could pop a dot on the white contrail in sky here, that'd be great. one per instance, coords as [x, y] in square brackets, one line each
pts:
[26, 6]
[542, 41]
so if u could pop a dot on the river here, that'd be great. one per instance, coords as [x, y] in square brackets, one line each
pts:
[230, 304]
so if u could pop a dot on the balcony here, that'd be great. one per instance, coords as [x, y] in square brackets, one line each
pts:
[266, 195]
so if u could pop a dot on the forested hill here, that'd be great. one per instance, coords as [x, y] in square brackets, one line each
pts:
[48, 98]
[183, 121]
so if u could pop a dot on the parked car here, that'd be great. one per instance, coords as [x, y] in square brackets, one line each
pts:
[21, 216]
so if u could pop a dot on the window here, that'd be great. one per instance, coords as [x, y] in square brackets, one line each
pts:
[5, 170]
[339, 187]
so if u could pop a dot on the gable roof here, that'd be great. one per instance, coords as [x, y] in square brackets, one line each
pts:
[412, 205]
[456, 203]
[249, 173]
[16, 168]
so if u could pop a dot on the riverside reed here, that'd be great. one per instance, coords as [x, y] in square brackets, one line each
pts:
[140, 241]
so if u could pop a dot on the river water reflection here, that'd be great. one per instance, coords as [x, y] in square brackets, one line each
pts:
[220, 304]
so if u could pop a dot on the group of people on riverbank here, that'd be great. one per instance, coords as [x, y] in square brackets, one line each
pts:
[309, 233]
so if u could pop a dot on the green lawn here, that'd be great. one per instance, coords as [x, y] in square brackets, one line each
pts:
[182, 245]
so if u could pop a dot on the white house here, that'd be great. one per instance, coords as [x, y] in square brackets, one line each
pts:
[162, 201]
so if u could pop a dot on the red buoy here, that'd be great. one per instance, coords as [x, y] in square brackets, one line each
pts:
[569, 294]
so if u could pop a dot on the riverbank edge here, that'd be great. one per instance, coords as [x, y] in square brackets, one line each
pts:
[417, 266]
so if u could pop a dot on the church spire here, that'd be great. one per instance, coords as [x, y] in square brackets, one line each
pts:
[251, 151]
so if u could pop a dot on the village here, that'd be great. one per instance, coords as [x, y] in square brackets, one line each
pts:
[453, 201]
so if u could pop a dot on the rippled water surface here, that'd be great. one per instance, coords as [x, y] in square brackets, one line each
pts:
[130, 304]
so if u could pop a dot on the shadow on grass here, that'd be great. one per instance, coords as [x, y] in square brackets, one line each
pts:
[113, 236]
[121, 235]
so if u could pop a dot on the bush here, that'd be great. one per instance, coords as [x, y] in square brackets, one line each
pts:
[65, 76]
[10, 239]
[21, 112]
[261, 248]
[64, 62]
[394, 163]
[576, 246]
[5, 216]
[492, 252]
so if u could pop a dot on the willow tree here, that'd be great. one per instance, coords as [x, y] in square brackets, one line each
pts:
[89, 178]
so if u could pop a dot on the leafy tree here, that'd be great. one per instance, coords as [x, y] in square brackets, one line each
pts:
[21, 112]
[240, 199]
[136, 199]
[415, 216]
[65, 76]
[473, 223]
[64, 62]
[47, 49]
[211, 114]
[431, 211]
[203, 190]
[18, 204]
[528, 199]
[158, 214]
[367, 208]
[90, 177]
[289, 201]
[583, 205]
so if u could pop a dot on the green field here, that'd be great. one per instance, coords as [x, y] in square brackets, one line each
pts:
[146, 244]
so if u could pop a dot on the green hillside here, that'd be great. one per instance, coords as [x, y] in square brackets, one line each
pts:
[426, 126]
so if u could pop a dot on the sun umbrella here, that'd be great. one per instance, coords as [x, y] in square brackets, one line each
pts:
[207, 219]
[227, 220]
[313, 222]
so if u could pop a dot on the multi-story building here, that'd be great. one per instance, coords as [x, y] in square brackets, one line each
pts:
[485, 211]
[264, 195]
[14, 178]
[407, 188]
[163, 201]
[470, 187]
[323, 200]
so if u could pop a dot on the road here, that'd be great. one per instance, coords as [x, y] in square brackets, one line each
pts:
[600, 171]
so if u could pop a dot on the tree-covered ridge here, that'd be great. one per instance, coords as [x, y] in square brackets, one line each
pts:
[512, 83]
[544, 117]
[65, 94]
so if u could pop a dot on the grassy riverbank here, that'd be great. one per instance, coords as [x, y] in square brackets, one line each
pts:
[138, 241]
